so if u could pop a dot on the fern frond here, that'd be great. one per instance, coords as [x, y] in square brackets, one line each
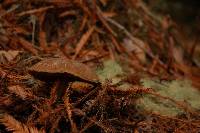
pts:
[20, 91]
[15, 126]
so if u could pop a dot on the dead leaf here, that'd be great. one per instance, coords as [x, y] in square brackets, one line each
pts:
[131, 47]
[7, 56]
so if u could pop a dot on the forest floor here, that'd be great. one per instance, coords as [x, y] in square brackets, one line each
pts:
[95, 66]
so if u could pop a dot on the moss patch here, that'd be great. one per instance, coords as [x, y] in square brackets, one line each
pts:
[177, 90]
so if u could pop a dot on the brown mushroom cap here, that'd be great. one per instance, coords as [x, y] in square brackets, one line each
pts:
[59, 67]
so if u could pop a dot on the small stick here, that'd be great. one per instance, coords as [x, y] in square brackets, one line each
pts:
[42, 9]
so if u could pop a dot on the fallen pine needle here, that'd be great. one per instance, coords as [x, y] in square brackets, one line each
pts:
[83, 41]
[28, 46]
[42, 9]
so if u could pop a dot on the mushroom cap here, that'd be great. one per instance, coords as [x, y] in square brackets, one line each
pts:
[52, 68]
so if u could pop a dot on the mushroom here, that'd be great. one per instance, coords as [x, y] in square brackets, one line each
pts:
[64, 71]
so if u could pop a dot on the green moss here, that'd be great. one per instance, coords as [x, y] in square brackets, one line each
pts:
[181, 91]
[113, 71]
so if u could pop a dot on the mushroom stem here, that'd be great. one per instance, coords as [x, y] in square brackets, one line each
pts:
[61, 90]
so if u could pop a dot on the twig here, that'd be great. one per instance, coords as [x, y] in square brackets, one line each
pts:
[33, 21]
[103, 20]
[28, 46]
[42, 9]
[83, 41]
[14, 7]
